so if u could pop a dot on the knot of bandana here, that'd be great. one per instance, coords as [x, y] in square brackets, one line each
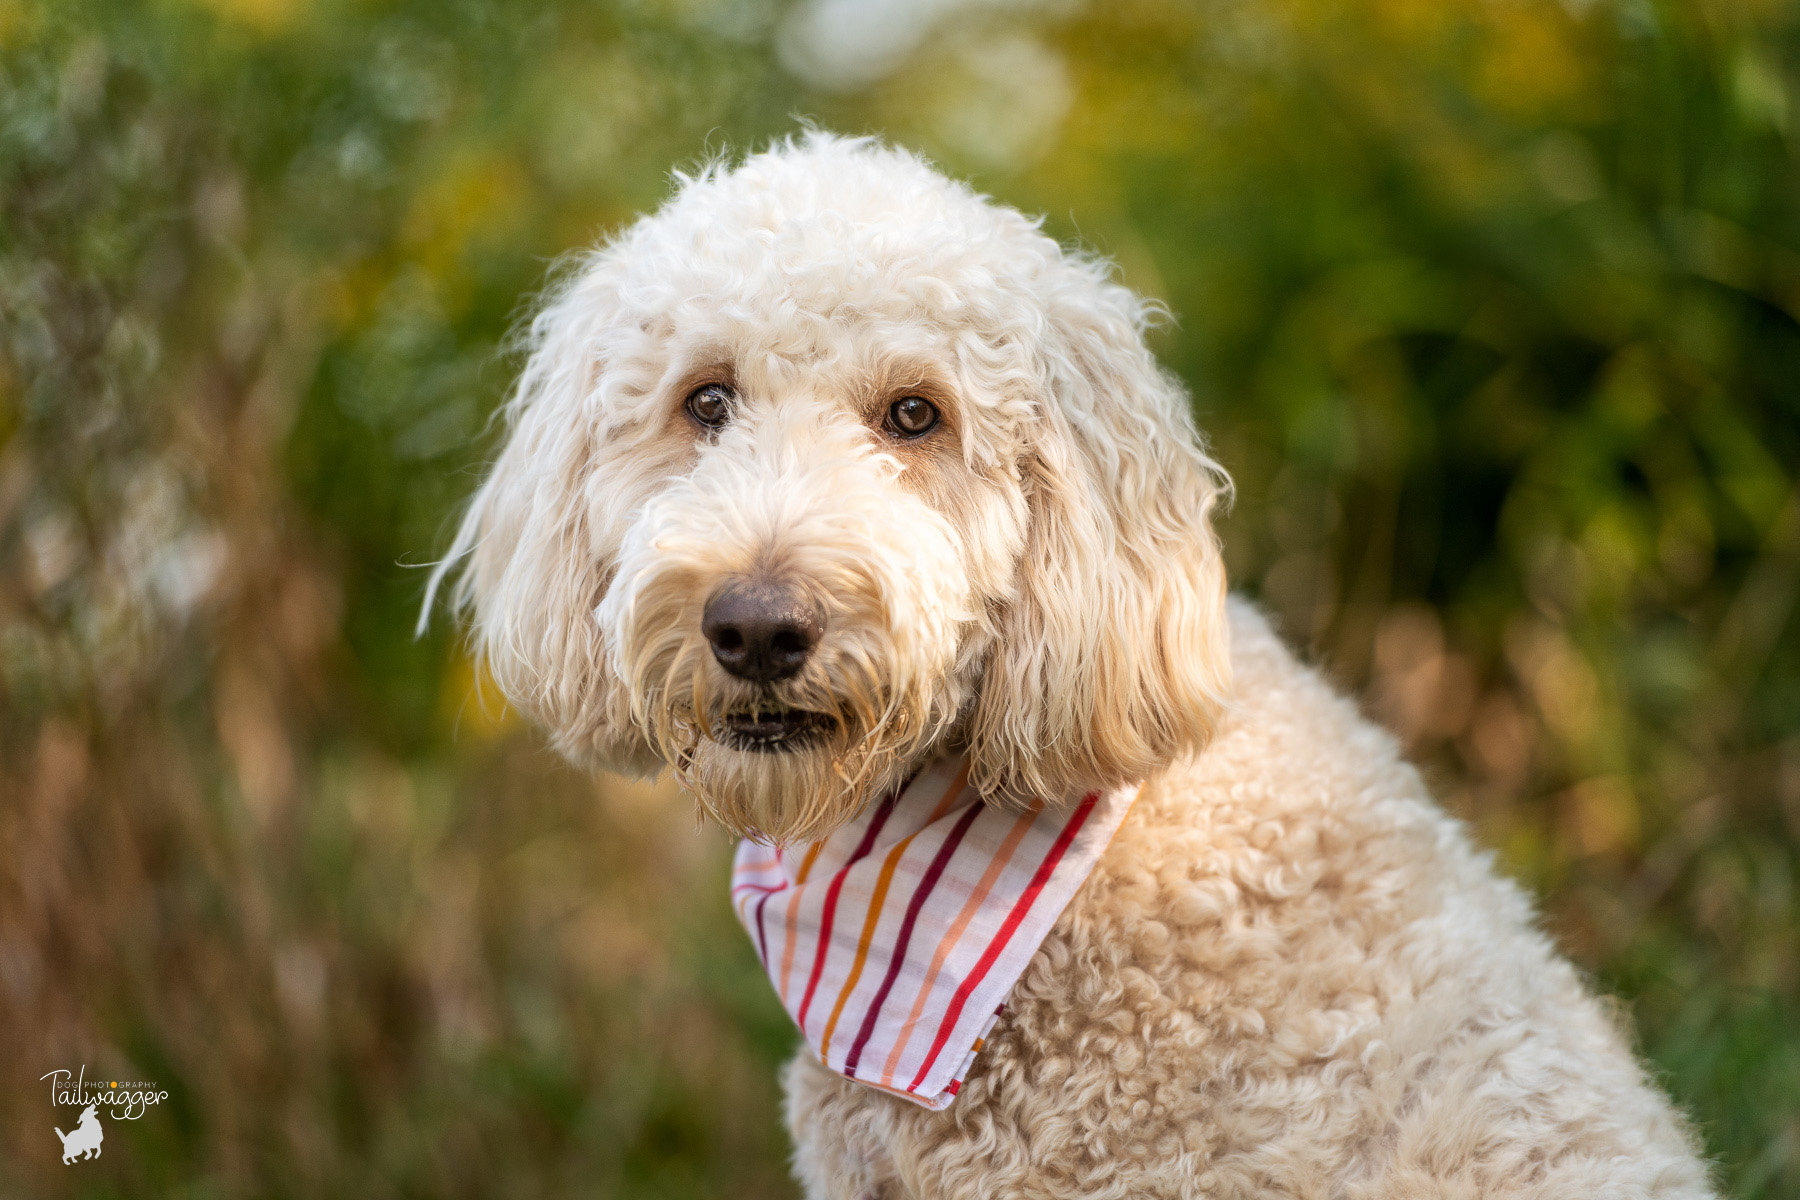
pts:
[895, 942]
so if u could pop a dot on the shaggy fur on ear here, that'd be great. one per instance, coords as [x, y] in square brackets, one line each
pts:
[535, 546]
[1112, 657]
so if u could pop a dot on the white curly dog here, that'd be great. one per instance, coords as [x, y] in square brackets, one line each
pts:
[831, 467]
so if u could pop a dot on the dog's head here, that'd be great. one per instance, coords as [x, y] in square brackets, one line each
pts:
[830, 465]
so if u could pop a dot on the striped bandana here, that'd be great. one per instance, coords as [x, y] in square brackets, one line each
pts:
[895, 942]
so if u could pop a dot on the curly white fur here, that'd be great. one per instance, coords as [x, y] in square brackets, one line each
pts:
[1290, 975]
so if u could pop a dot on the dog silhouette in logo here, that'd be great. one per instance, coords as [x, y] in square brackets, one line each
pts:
[85, 1141]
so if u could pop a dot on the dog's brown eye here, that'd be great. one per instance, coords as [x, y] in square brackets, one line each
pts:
[710, 405]
[912, 416]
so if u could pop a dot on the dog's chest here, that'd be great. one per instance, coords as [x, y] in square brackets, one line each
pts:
[1162, 1030]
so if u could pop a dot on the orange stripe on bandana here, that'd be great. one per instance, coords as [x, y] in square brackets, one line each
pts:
[787, 955]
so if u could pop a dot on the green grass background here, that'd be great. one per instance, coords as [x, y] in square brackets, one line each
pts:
[1489, 306]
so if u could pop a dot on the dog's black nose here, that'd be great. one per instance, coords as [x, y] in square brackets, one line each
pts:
[761, 631]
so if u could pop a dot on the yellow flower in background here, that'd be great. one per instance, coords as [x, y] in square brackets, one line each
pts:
[266, 17]
[1531, 63]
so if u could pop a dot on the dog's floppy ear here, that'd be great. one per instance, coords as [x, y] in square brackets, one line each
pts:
[1112, 657]
[533, 551]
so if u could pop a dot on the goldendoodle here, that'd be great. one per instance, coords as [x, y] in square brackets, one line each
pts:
[859, 503]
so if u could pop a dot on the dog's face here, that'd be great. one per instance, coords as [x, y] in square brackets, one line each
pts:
[829, 466]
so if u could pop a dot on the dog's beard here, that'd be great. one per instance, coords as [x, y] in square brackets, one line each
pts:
[871, 721]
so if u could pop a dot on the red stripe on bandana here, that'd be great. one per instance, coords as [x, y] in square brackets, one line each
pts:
[1013, 918]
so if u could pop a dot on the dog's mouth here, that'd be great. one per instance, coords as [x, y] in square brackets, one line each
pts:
[771, 730]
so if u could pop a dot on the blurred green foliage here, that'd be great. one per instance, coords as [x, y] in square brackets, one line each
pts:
[1490, 306]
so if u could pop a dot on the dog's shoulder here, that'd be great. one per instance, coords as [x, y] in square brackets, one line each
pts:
[1296, 771]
